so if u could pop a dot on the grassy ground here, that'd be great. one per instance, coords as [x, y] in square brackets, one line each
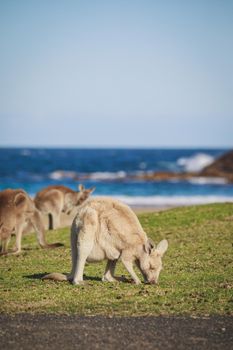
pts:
[197, 278]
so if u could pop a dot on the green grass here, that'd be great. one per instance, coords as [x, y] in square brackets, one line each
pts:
[197, 278]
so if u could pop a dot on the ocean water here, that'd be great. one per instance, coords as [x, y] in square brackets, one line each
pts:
[111, 172]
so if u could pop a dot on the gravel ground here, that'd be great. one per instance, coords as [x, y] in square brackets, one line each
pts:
[25, 331]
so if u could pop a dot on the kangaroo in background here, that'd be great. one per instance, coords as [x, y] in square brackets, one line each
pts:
[16, 211]
[53, 200]
[105, 228]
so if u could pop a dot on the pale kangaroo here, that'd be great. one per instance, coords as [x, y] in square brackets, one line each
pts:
[105, 228]
[53, 200]
[16, 211]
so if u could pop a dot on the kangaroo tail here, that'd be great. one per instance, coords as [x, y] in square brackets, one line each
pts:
[55, 276]
[52, 245]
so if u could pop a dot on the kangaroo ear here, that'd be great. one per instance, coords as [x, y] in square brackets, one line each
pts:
[162, 246]
[20, 199]
[90, 190]
[81, 188]
[149, 246]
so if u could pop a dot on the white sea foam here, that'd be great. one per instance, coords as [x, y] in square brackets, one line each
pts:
[172, 201]
[120, 175]
[25, 152]
[195, 163]
[62, 174]
[201, 180]
[96, 176]
[100, 176]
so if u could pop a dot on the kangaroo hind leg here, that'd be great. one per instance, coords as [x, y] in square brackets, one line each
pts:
[109, 271]
[85, 229]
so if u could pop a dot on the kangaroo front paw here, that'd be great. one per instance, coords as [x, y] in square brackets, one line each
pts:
[74, 282]
[137, 282]
[14, 251]
[108, 279]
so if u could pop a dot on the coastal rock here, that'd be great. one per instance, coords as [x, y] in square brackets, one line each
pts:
[164, 176]
[221, 167]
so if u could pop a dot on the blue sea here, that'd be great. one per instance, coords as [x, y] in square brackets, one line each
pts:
[112, 172]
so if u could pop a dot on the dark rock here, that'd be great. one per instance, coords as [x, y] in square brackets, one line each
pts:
[164, 176]
[221, 167]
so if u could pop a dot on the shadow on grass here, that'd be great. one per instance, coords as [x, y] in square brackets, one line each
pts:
[36, 276]
[39, 276]
[117, 278]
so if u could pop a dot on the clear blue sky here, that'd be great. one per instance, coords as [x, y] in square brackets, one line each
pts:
[116, 73]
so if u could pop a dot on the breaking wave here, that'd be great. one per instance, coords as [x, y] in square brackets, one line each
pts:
[100, 176]
[95, 176]
[25, 152]
[195, 163]
[201, 180]
[62, 174]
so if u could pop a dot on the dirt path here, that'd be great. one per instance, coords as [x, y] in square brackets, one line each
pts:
[76, 332]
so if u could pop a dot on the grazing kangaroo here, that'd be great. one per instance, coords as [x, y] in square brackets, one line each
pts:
[16, 211]
[53, 200]
[105, 228]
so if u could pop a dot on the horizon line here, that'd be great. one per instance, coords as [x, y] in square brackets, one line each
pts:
[116, 147]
